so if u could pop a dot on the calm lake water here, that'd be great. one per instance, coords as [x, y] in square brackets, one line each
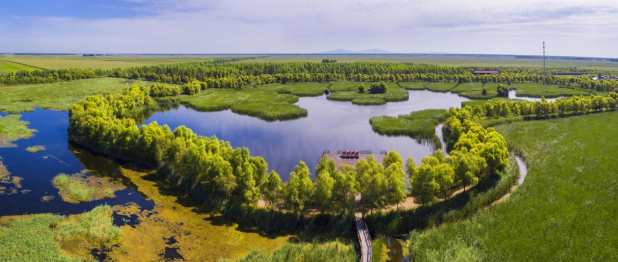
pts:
[330, 125]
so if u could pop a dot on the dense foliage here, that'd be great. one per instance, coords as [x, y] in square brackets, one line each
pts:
[572, 106]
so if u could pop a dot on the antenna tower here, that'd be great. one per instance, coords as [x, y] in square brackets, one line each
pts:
[544, 72]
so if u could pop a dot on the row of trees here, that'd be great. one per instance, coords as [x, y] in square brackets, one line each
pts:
[48, 76]
[544, 108]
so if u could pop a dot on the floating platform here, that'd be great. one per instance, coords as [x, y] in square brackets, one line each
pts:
[363, 154]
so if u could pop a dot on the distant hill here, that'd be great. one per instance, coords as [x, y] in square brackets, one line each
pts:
[366, 51]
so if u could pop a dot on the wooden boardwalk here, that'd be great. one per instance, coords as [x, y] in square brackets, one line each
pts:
[363, 238]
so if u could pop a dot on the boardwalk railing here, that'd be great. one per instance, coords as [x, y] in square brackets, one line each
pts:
[364, 239]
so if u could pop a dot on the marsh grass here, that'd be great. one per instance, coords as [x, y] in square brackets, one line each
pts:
[58, 96]
[78, 188]
[414, 85]
[315, 252]
[263, 104]
[297, 89]
[440, 87]
[475, 90]
[35, 149]
[418, 125]
[394, 94]
[548, 91]
[13, 129]
[42, 237]
[562, 212]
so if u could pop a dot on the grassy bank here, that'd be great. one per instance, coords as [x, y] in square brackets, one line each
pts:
[58, 96]
[440, 87]
[414, 85]
[418, 125]
[483, 102]
[562, 212]
[475, 90]
[49, 237]
[13, 129]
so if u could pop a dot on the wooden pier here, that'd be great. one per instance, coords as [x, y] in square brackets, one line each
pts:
[379, 157]
[364, 239]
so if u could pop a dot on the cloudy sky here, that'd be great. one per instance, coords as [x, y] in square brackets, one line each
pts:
[570, 27]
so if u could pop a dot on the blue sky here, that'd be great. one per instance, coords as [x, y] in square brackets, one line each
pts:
[571, 27]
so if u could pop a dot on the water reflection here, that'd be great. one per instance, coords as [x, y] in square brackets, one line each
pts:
[330, 125]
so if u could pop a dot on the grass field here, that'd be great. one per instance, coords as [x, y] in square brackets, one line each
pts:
[483, 102]
[548, 91]
[12, 67]
[414, 85]
[57, 96]
[351, 86]
[103, 62]
[447, 61]
[564, 211]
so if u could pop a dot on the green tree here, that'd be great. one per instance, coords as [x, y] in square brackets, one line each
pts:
[324, 191]
[326, 164]
[345, 189]
[468, 168]
[396, 192]
[361, 88]
[272, 189]
[246, 183]
[423, 186]
[503, 90]
[298, 191]
[445, 176]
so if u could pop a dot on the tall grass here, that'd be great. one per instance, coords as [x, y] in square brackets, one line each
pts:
[565, 209]
[418, 125]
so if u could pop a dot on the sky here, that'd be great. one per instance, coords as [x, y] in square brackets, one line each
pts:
[570, 27]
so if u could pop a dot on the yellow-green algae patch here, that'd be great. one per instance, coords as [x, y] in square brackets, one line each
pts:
[35, 149]
[197, 235]
[77, 188]
[12, 129]
[10, 185]
[48, 237]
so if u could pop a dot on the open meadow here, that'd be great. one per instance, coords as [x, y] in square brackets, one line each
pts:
[102, 62]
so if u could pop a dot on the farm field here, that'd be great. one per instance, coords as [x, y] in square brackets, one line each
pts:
[58, 96]
[102, 62]
[564, 207]
[12, 67]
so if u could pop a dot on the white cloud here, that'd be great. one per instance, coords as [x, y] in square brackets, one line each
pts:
[284, 26]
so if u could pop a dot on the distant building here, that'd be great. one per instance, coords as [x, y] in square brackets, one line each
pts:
[569, 73]
[486, 72]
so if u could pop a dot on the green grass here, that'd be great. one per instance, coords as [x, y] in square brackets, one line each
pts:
[414, 85]
[297, 89]
[418, 125]
[13, 129]
[565, 209]
[58, 96]
[333, 251]
[440, 87]
[12, 67]
[475, 90]
[378, 247]
[266, 105]
[394, 94]
[43, 237]
[483, 102]
[105, 62]
[35, 149]
[548, 91]
[79, 188]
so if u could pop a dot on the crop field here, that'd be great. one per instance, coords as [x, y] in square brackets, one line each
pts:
[562, 212]
[103, 62]
[12, 67]
[58, 96]
[548, 91]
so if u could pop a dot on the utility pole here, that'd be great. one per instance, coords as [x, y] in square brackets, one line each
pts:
[544, 71]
